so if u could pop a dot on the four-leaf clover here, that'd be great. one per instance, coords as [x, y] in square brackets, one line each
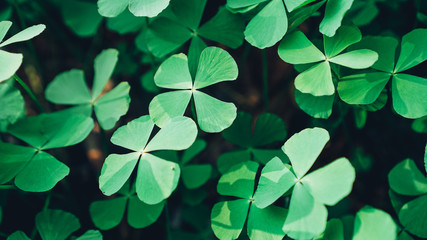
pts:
[70, 88]
[156, 178]
[215, 66]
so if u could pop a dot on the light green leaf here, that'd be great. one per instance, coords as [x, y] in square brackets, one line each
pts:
[317, 107]
[147, 8]
[331, 183]
[116, 171]
[12, 105]
[239, 181]
[179, 133]
[225, 28]
[25, 34]
[173, 73]
[268, 26]
[295, 48]
[195, 176]
[334, 13]
[306, 217]
[299, 16]
[165, 36]
[276, 179]
[334, 230]
[296, 148]
[409, 95]
[362, 88]
[112, 8]
[107, 214]
[345, 36]
[141, 215]
[413, 216]
[4, 27]
[357, 59]
[243, 3]
[294, 4]
[81, 17]
[18, 235]
[56, 224]
[104, 65]
[111, 106]
[156, 178]
[9, 64]
[215, 65]
[316, 81]
[41, 174]
[213, 115]
[135, 134]
[371, 223]
[91, 235]
[266, 223]
[413, 50]
[228, 218]
[68, 88]
[406, 179]
[168, 105]
[229, 159]
[13, 159]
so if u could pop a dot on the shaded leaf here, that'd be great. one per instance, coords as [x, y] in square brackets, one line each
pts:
[56, 224]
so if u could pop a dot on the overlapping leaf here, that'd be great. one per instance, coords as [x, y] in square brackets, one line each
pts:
[156, 178]
[215, 66]
[10, 62]
[70, 88]
[12, 104]
[140, 8]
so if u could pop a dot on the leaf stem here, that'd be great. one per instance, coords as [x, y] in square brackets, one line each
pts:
[167, 219]
[265, 79]
[29, 92]
[104, 141]
[7, 187]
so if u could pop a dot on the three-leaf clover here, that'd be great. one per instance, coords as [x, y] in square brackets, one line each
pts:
[10, 62]
[156, 178]
[408, 91]
[70, 88]
[328, 185]
[269, 128]
[182, 23]
[57, 225]
[407, 180]
[33, 169]
[107, 214]
[229, 217]
[215, 66]
[140, 8]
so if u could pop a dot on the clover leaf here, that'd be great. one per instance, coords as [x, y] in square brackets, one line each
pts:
[81, 17]
[194, 175]
[12, 104]
[171, 31]
[10, 62]
[407, 180]
[269, 128]
[107, 214]
[229, 217]
[33, 169]
[372, 223]
[408, 91]
[70, 88]
[139, 8]
[327, 185]
[156, 178]
[215, 66]
[334, 13]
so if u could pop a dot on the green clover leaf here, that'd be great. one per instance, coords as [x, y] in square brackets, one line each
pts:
[334, 13]
[107, 214]
[70, 88]
[408, 91]
[269, 128]
[372, 223]
[12, 104]
[139, 8]
[81, 17]
[156, 178]
[169, 32]
[33, 169]
[327, 185]
[194, 175]
[215, 66]
[10, 62]
[229, 217]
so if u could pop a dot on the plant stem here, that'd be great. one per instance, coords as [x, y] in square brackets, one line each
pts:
[265, 79]
[29, 92]
[7, 187]
[167, 219]
[104, 141]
